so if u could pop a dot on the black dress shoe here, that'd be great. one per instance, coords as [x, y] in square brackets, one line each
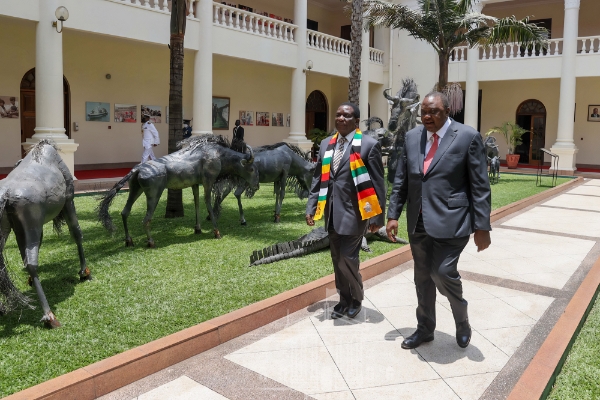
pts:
[339, 311]
[463, 333]
[354, 309]
[415, 340]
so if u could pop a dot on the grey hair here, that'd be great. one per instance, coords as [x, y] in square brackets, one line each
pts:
[441, 95]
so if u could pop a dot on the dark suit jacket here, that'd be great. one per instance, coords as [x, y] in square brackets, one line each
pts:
[454, 195]
[342, 191]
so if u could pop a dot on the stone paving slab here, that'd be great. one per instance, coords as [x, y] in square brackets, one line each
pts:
[511, 289]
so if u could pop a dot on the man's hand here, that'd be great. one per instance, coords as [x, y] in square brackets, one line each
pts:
[482, 240]
[309, 220]
[392, 229]
[154, 145]
[374, 228]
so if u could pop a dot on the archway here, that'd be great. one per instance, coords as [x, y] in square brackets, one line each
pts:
[316, 112]
[531, 115]
[28, 105]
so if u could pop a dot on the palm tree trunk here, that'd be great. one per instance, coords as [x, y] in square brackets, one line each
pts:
[444, 60]
[355, 51]
[178, 18]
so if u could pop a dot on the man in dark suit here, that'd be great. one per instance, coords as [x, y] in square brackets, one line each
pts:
[442, 179]
[350, 205]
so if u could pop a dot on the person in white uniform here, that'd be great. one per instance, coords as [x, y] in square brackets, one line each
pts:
[150, 138]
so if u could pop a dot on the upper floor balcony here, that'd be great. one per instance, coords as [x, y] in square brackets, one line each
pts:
[512, 61]
[237, 33]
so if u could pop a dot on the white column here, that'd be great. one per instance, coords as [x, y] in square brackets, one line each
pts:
[565, 146]
[49, 92]
[363, 94]
[203, 71]
[472, 81]
[298, 100]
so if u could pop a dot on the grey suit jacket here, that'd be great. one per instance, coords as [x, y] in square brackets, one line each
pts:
[454, 195]
[342, 199]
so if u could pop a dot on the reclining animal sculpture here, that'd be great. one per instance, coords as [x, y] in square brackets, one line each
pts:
[40, 189]
[315, 240]
[202, 160]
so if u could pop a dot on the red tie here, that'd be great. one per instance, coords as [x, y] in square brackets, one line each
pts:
[431, 154]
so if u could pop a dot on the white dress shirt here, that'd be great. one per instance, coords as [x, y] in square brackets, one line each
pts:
[440, 134]
[349, 139]
[150, 137]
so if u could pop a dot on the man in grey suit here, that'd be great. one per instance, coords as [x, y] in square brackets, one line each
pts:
[442, 178]
[335, 195]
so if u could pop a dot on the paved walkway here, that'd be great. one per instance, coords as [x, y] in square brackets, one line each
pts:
[516, 290]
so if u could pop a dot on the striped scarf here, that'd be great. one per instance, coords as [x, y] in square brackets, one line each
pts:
[367, 198]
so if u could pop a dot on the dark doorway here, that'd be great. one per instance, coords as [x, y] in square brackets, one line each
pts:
[531, 115]
[316, 111]
[28, 106]
[346, 34]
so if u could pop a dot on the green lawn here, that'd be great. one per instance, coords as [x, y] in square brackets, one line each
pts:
[139, 294]
[580, 376]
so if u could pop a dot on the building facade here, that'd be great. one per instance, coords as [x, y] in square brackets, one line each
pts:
[281, 62]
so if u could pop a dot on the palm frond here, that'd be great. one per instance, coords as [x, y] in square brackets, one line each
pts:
[511, 29]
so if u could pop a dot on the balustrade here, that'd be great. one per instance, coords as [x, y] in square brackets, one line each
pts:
[233, 18]
[510, 51]
[588, 45]
[376, 55]
[331, 44]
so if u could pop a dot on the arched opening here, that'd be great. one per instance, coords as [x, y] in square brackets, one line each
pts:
[28, 105]
[531, 115]
[316, 112]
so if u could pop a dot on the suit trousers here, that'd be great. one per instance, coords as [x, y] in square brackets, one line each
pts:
[435, 266]
[148, 154]
[345, 251]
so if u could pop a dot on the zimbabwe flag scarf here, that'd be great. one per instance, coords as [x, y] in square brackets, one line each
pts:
[367, 198]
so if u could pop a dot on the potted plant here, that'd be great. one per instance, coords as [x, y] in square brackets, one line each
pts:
[316, 135]
[512, 134]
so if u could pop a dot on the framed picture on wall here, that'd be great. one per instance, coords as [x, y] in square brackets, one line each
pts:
[262, 118]
[97, 111]
[594, 113]
[220, 113]
[287, 120]
[9, 107]
[247, 118]
[125, 113]
[154, 112]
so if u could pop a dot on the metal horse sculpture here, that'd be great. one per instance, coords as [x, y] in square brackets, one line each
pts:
[491, 150]
[202, 160]
[382, 135]
[405, 109]
[284, 165]
[315, 240]
[40, 189]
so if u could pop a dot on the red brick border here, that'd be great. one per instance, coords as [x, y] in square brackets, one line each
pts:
[537, 379]
[122, 369]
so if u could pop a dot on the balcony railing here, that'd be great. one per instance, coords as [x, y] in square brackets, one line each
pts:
[246, 21]
[159, 5]
[328, 43]
[511, 51]
[376, 55]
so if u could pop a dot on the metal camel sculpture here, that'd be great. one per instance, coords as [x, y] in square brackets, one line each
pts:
[202, 160]
[283, 164]
[40, 189]
[315, 240]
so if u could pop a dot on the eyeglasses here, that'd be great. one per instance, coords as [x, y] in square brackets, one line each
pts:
[345, 116]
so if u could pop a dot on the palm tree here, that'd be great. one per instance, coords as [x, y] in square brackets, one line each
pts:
[356, 33]
[179, 11]
[446, 24]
